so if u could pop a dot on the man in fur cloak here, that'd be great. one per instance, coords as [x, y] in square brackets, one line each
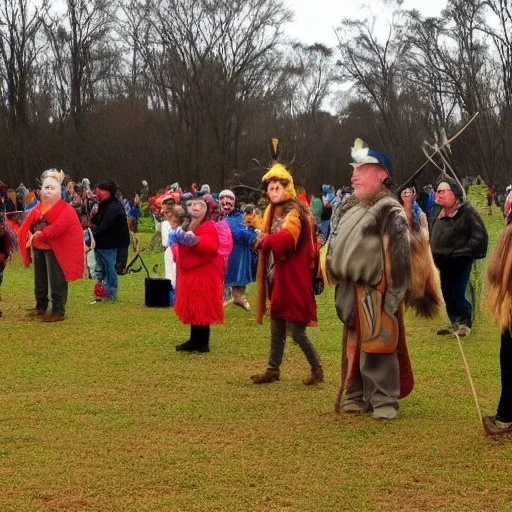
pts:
[369, 259]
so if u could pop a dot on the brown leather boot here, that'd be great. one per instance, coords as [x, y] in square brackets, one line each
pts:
[269, 375]
[317, 375]
[53, 317]
[36, 313]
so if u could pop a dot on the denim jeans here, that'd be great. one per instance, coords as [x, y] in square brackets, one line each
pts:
[106, 271]
[454, 273]
[48, 277]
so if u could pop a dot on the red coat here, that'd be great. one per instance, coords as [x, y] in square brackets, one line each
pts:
[200, 279]
[293, 247]
[63, 234]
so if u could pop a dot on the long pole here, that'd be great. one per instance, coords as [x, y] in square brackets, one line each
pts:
[473, 389]
[445, 144]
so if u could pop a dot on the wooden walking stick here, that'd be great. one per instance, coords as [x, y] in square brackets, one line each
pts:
[472, 384]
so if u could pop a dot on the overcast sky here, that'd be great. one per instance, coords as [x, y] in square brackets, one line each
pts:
[315, 19]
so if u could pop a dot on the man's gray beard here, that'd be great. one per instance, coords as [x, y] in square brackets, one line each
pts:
[369, 200]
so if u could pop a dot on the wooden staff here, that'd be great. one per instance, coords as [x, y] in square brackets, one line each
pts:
[438, 150]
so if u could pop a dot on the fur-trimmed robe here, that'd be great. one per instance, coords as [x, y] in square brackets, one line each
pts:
[369, 238]
[290, 248]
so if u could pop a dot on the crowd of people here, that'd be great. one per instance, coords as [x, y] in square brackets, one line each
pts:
[382, 252]
[68, 231]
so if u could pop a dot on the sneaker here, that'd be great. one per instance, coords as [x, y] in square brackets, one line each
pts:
[494, 427]
[463, 330]
[448, 330]
[227, 302]
[95, 301]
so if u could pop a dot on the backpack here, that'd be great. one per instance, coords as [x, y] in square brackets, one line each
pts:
[225, 239]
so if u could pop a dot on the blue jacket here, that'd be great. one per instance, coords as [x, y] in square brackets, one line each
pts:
[239, 271]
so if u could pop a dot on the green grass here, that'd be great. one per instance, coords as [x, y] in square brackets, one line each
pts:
[100, 413]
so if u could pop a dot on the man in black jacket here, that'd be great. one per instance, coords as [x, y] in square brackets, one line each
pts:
[110, 230]
[457, 237]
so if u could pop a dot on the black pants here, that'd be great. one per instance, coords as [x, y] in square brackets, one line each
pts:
[455, 273]
[200, 336]
[505, 405]
[48, 276]
[121, 259]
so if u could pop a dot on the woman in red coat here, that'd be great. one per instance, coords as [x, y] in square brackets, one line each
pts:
[199, 276]
[53, 231]
[286, 262]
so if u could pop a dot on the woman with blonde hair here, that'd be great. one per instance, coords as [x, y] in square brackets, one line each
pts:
[53, 231]
[499, 302]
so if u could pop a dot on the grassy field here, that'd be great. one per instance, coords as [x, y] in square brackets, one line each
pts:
[100, 413]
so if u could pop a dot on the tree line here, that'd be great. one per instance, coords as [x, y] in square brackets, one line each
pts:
[191, 90]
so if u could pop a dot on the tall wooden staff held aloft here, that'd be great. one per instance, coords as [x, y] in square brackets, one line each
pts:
[441, 151]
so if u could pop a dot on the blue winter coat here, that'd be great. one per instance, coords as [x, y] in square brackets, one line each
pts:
[239, 271]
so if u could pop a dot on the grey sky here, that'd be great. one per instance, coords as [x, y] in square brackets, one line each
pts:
[315, 19]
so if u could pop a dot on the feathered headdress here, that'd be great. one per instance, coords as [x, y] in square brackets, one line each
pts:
[278, 171]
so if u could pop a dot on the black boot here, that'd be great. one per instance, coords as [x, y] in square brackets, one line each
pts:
[188, 346]
[203, 338]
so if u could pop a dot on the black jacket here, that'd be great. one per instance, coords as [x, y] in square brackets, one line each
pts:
[111, 226]
[463, 235]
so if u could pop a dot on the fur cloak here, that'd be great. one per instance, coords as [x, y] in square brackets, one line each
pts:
[424, 292]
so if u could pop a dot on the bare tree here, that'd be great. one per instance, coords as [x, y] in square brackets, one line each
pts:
[20, 25]
[424, 73]
[208, 61]
[499, 27]
[135, 28]
[373, 61]
[312, 67]
[82, 54]
[501, 33]
[466, 68]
